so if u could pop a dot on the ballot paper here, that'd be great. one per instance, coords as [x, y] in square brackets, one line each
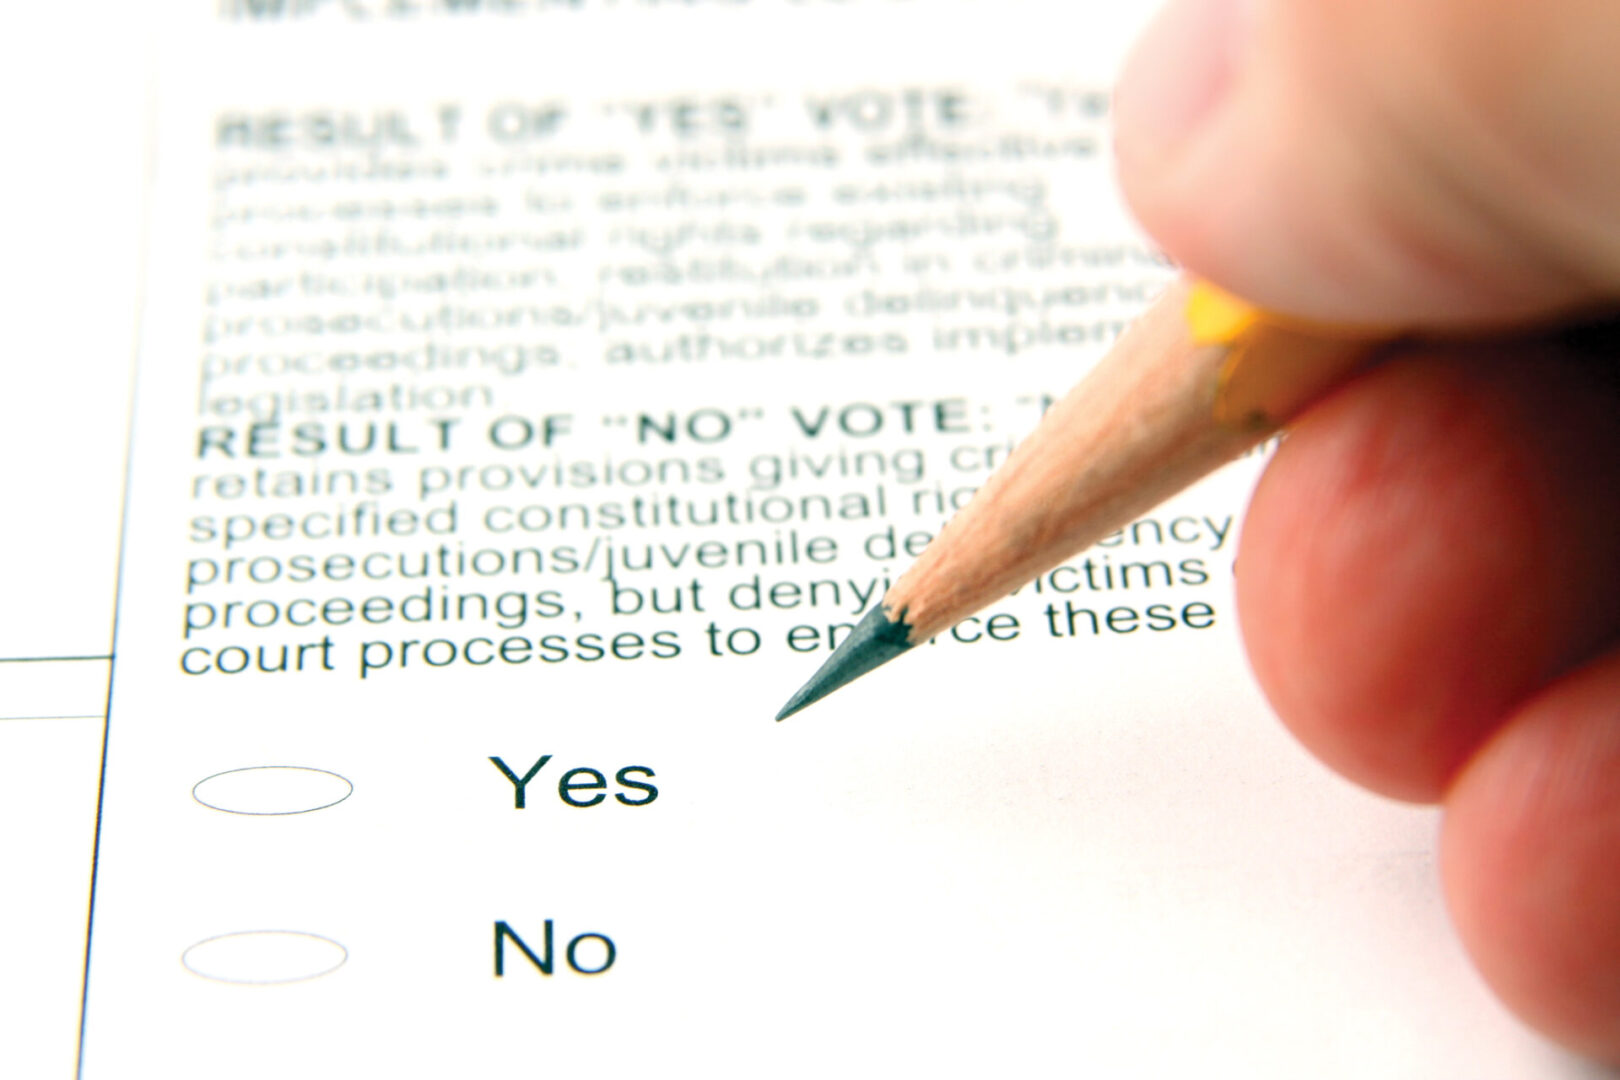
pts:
[528, 396]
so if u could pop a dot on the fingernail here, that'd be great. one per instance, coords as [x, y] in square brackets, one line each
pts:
[1180, 70]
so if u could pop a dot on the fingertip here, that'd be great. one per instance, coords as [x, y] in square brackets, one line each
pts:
[1370, 608]
[1529, 856]
[1417, 559]
[1238, 152]
[1364, 163]
[1176, 78]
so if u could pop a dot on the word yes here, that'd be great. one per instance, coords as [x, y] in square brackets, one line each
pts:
[574, 782]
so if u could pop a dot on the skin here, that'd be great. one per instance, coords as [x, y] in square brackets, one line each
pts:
[1434, 604]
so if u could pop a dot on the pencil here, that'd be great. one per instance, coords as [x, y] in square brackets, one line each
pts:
[1200, 378]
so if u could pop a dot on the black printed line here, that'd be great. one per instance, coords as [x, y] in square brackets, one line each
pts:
[49, 659]
[145, 253]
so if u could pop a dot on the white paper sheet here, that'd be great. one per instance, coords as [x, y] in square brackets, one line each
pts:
[520, 298]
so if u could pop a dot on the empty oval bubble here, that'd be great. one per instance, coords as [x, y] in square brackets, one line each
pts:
[272, 789]
[264, 957]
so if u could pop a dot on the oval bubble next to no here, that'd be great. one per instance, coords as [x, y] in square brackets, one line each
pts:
[264, 957]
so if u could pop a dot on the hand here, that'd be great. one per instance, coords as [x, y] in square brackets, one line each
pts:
[1429, 580]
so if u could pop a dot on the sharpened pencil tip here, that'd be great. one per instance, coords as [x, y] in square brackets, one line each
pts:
[875, 641]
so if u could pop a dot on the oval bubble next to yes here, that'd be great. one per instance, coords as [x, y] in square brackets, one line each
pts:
[272, 789]
[264, 957]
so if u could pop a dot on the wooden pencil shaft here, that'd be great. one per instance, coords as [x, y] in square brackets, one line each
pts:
[1155, 415]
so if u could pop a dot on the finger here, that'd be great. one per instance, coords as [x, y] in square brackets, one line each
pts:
[1429, 546]
[1381, 160]
[1529, 856]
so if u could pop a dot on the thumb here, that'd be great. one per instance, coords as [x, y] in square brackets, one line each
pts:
[1418, 162]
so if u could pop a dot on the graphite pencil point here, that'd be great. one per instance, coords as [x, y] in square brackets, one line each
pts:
[875, 641]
